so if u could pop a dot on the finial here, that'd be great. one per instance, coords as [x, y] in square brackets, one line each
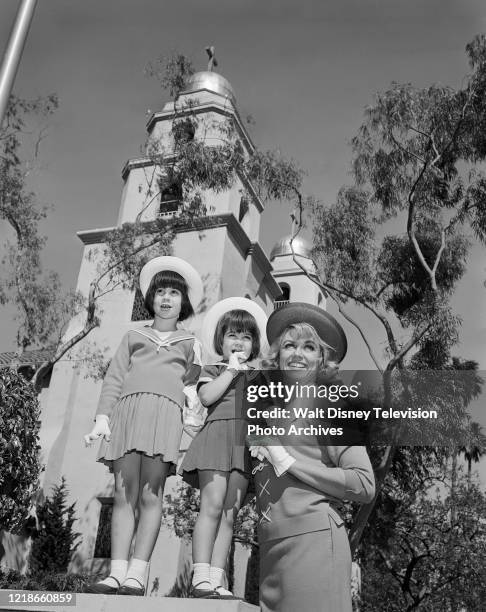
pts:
[213, 62]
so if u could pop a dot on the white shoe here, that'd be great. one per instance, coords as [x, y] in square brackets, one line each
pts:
[224, 593]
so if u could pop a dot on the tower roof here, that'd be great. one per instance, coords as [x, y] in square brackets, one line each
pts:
[300, 245]
[211, 81]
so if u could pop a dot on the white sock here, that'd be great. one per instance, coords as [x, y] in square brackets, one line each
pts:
[216, 575]
[136, 573]
[200, 578]
[118, 569]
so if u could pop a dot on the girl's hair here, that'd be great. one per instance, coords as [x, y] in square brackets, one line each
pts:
[239, 321]
[167, 278]
[307, 332]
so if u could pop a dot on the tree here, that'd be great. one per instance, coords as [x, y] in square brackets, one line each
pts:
[54, 541]
[19, 444]
[396, 243]
[432, 559]
[475, 448]
[38, 298]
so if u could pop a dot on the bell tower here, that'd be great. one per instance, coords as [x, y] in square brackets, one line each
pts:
[295, 285]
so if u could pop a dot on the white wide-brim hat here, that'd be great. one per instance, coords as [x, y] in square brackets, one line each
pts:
[215, 313]
[173, 264]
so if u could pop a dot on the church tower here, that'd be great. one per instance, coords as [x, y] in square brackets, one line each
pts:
[224, 250]
[294, 283]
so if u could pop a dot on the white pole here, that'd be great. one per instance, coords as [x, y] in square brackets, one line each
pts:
[13, 52]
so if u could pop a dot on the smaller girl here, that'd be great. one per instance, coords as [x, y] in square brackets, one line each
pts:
[217, 461]
[139, 416]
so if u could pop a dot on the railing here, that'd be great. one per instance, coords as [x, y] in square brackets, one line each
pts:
[168, 209]
[279, 303]
[167, 215]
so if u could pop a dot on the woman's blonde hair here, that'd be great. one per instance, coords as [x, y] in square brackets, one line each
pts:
[307, 332]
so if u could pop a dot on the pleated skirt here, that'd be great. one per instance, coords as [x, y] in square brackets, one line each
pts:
[143, 422]
[310, 572]
[219, 446]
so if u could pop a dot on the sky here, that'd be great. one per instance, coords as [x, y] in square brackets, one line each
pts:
[305, 70]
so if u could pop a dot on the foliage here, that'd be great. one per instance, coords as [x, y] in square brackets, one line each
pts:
[415, 162]
[42, 306]
[45, 581]
[432, 559]
[172, 72]
[19, 446]
[183, 585]
[54, 541]
[397, 242]
[475, 447]
[179, 511]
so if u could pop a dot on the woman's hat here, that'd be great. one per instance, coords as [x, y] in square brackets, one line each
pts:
[326, 326]
[173, 264]
[215, 313]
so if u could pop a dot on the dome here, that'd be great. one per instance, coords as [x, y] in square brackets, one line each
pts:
[300, 245]
[211, 81]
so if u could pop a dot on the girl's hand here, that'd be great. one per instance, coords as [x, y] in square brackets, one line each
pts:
[100, 430]
[235, 360]
[192, 430]
[259, 453]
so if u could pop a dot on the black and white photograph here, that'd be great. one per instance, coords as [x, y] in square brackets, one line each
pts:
[242, 305]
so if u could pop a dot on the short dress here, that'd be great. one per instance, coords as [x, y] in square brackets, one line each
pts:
[151, 423]
[221, 443]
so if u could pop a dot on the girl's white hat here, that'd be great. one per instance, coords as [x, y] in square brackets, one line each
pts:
[215, 313]
[173, 264]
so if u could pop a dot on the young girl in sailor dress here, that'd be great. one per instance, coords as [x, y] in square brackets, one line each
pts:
[217, 461]
[139, 416]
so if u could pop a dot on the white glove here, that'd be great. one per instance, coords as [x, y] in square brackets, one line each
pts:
[100, 430]
[194, 413]
[278, 457]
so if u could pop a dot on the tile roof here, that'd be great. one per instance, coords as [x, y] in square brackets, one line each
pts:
[34, 357]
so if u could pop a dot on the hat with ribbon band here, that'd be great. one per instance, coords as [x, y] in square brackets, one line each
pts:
[326, 326]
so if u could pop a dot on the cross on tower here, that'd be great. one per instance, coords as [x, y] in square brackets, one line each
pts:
[213, 62]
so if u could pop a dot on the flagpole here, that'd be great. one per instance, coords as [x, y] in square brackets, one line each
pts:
[13, 52]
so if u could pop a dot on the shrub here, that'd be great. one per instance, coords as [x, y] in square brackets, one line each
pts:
[19, 456]
[44, 581]
[54, 541]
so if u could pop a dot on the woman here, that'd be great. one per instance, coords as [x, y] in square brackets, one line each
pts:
[304, 549]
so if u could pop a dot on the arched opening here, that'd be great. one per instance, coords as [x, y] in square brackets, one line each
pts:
[170, 197]
[244, 207]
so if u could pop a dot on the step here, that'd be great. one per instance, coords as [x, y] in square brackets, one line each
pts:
[123, 603]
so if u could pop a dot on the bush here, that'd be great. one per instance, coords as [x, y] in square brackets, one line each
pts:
[54, 542]
[19, 456]
[45, 581]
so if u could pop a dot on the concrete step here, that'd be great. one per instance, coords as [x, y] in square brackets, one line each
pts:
[121, 603]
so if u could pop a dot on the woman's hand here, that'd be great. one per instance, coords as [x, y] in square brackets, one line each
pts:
[100, 430]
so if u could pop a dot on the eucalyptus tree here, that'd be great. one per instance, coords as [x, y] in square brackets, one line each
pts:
[397, 241]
